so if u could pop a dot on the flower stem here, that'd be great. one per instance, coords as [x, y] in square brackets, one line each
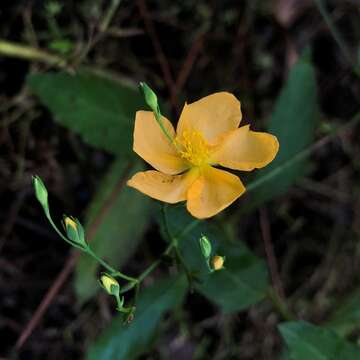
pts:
[108, 267]
[159, 120]
[147, 271]
[174, 244]
[336, 35]
[60, 233]
[280, 305]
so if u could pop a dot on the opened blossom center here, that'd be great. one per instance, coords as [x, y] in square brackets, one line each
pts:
[194, 148]
[207, 135]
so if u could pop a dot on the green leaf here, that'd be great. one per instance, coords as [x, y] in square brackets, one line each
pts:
[293, 122]
[121, 228]
[346, 318]
[100, 110]
[306, 341]
[128, 342]
[242, 283]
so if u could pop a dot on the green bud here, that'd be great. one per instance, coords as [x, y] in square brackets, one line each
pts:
[152, 101]
[41, 192]
[110, 285]
[205, 246]
[150, 98]
[74, 230]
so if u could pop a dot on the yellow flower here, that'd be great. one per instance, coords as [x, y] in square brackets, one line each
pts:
[207, 135]
[217, 262]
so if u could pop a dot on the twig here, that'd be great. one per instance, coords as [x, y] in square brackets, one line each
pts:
[336, 34]
[69, 264]
[164, 64]
[109, 14]
[30, 53]
[304, 154]
[189, 62]
[270, 254]
[47, 299]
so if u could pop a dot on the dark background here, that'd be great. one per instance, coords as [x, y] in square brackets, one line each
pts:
[245, 47]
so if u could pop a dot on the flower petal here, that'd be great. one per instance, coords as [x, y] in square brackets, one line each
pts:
[243, 149]
[167, 188]
[212, 116]
[212, 192]
[153, 146]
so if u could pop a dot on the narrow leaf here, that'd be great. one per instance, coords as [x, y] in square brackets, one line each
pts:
[346, 318]
[293, 122]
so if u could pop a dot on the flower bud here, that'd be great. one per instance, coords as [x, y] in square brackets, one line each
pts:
[150, 97]
[205, 246]
[41, 192]
[110, 284]
[217, 262]
[74, 230]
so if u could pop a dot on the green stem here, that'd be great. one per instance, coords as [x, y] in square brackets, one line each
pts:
[29, 53]
[159, 120]
[147, 271]
[280, 305]
[90, 252]
[174, 243]
[60, 233]
[113, 271]
[170, 247]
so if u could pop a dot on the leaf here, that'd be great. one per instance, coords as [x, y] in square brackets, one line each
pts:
[129, 342]
[284, 355]
[293, 122]
[242, 283]
[347, 315]
[100, 110]
[306, 341]
[119, 232]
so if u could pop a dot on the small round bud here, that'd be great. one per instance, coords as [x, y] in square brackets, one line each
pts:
[74, 230]
[110, 284]
[217, 262]
[205, 246]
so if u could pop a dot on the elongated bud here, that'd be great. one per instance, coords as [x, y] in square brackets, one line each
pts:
[205, 246]
[150, 98]
[217, 262]
[110, 285]
[74, 230]
[41, 193]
